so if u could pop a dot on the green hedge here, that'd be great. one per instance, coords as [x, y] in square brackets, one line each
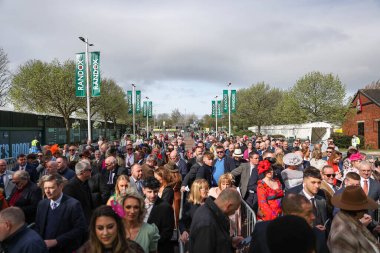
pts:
[344, 141]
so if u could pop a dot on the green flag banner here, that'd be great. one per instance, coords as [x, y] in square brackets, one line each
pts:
[150, 109]
[219, 108]
[138, 101]
[80, 75]
[95, 74]
[225, 101]
[233, 100]
[129, 101]
[213, 108]
[145, 109]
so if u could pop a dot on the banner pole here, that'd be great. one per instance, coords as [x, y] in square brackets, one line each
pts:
[229, 110]
[88, 94]
[133, 110]
[216, 117]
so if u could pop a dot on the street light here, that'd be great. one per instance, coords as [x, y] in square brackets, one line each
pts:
[147, 117]
[88, 88]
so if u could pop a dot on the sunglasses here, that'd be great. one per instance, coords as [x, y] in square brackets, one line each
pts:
[129, 148]
[220, 152]
[330, 175]
[71, 149]
[329, 152]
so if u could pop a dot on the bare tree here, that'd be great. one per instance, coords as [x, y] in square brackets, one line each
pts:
[373, 85]
[4, 77]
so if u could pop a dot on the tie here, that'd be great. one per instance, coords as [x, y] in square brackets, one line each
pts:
[2, 181]
[138, 184]
[54, 205]
[252, 181]
[365, 187]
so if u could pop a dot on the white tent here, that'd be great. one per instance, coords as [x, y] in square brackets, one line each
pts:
[317, 132]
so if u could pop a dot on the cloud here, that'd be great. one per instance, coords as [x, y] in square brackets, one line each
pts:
[182, 54]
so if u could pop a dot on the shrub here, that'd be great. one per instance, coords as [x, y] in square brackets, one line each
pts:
[344, 141]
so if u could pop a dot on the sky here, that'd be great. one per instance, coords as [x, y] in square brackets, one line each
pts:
[181, 54]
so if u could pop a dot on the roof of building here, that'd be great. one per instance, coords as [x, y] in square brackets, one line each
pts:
[371, 94]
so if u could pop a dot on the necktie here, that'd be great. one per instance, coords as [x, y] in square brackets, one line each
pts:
[365, 187]
[139, 187]
[54, 205]
[314, 210]
[2, 181]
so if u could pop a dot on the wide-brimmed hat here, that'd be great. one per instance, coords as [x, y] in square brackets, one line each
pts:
[237, 153]
[356, 157]
[353, 198]
[292, 159]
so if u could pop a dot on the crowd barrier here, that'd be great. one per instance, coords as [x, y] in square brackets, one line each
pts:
[244, 224]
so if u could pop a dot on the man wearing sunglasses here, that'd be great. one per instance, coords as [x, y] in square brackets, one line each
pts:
[328, 187]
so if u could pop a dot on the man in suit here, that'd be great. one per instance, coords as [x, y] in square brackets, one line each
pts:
[190, 177]
[62, 168]
[181, 163]
[198, 151]
[6, 179]
[25, 195]
[370, 186]
[73, 156]
[160, 213]
[97, 162]
[135, 180]
[111, 173]
[79, 189]
[249, 177]
[312, 180]
[292, 204]
[328, 187]
[22, 165]
[60, 220]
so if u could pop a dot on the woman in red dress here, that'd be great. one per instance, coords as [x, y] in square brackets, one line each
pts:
[269, 193]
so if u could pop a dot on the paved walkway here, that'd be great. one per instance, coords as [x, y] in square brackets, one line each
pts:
[188, 141]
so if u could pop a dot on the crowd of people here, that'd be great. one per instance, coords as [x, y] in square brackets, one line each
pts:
[126, 196]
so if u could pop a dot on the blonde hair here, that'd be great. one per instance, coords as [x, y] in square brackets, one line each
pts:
[121, 177]
[195, 191]
[226, 177]
[135, 195]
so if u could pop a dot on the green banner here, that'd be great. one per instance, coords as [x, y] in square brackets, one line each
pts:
[145, 109]
[225, 101]
[219, 109]
[233, 100]
[80, 75]
[138, 101]
[150, 109]
[95, 74]
[129, 101]
[213, 108]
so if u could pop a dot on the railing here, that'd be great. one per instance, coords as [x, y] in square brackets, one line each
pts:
[181, 245]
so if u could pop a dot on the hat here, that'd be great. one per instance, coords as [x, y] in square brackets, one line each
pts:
[353, 198]
[356, 157]
[264, 166]
[85, 153]
[237, 153]
[292, 159]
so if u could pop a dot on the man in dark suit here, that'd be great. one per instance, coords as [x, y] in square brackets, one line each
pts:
[371, 187]
[79, 189]
[198, 151]
[249, 177]
[111, 173]
[60, 220]
[22, 165]
[311, 189]
[63, 169]
[292, 204]
[190, 177]
[160, 213]
[25, 195]
[181, 163]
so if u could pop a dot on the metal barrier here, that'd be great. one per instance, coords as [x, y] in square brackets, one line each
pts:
[181, 245]
[248, 219]
[11, 162]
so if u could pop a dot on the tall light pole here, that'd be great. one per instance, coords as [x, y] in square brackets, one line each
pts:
[133, 110]
[216, 117]
[229, 109]
[88, 87]
[147, 117]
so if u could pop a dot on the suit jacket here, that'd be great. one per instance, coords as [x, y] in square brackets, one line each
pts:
[99, 190]
[28, 201]
[182, 166]
[328, 193]
[8, 184]
[229, 164]
[244, 171]
[117, 171]
[72, 228]
[76, 189]
[162, 215]
[190, 177]
[373, 193]
[259, 239]
[133, 185]
[321, 207]
[30, 169]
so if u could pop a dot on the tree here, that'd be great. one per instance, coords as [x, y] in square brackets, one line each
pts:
[373, 85]
[46, 88]
[207, 122]
[321, 96]
[4, 77]
[288, 111]
[255, 106]
[176, 116]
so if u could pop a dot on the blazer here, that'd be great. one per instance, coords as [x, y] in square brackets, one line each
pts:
[30, 169]
[373, 193]
[182, 166]
[190, 177]
[321, 207]
[72, 229]
[328, 193]
[133, 185]
[8, 184]
[99, 190]
[162, 215]
[75, 188]
[244, 171]
[28, 201]
[229, 164]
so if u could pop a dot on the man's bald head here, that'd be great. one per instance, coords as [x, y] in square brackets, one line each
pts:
[228, 201]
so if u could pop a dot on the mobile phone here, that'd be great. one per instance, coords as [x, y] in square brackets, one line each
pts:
[245, 242]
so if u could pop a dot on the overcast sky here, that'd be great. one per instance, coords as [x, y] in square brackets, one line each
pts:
[182, 54]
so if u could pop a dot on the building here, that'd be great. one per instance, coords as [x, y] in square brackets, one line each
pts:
[363, 117]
